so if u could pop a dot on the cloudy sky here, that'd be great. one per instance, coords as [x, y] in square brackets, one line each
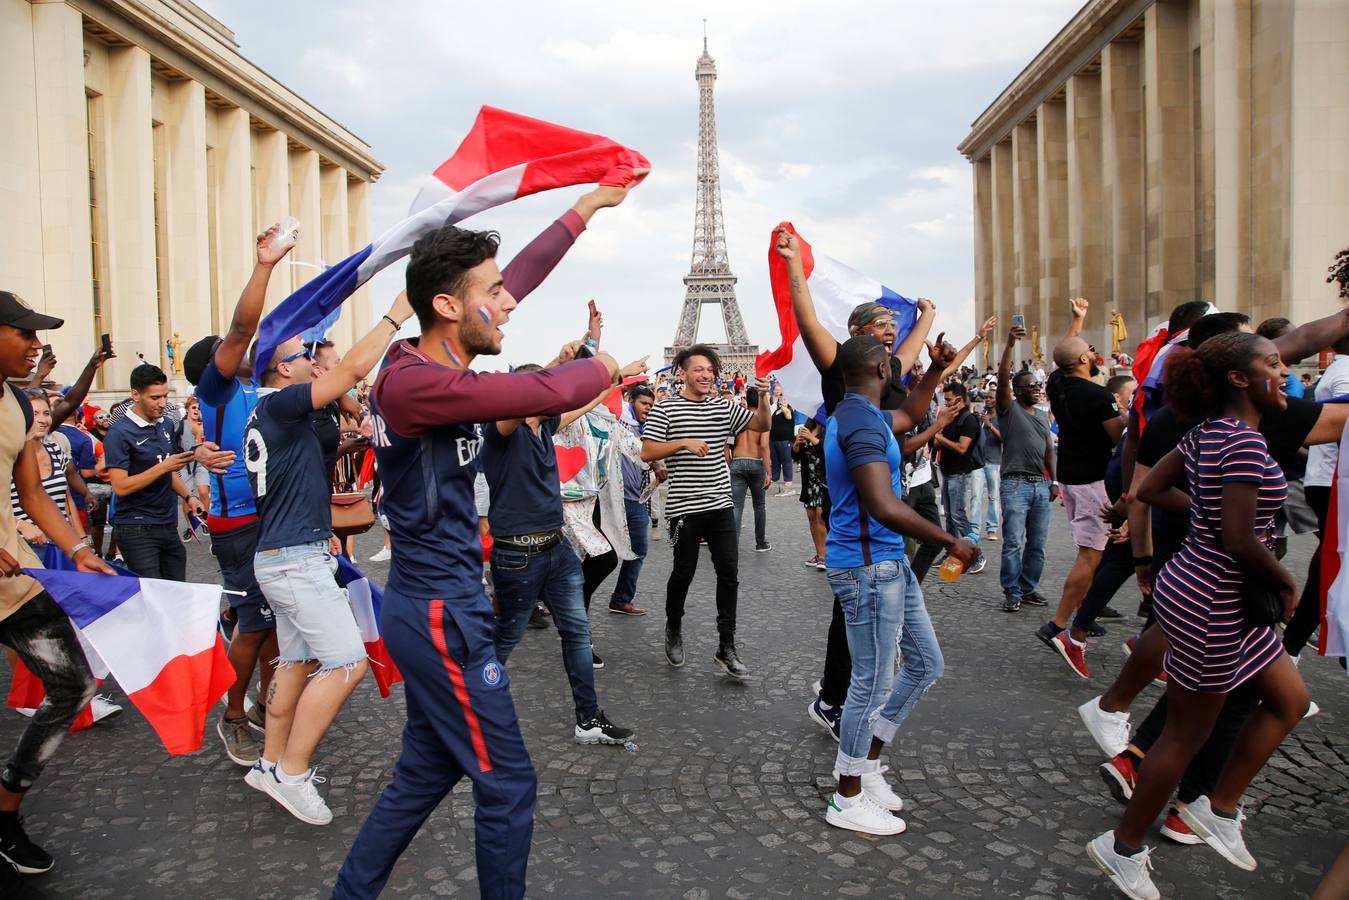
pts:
[842, 118]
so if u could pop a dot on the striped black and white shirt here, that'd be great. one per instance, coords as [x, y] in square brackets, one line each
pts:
[54, 484]
[697, 483]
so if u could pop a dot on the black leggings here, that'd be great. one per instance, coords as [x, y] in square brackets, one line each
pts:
[42, 636]
[594, 569]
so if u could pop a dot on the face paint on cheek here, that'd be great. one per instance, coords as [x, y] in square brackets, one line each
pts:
[486, 316]
[454, 358]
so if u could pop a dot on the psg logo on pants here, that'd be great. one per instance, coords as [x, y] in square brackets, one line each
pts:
[491, 674]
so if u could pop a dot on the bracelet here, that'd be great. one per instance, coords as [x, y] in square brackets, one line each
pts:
[82, 544]
[1142, 561]
[395, 325]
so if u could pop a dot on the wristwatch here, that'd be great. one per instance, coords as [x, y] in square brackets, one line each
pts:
[82, 544]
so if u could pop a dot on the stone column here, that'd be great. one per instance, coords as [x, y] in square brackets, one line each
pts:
[130, 238]
[1319, 170]
[236, 232]
[1025, 227]
[1051, 169]
[307, 259]
[358, 235]
[1004, 250]
[1229, 74]
[333, 204]
[59, 247]
[189, 258]
[271, 201]
[1122, 185]
[1171, 276]
[983, 238]
[1086, 212]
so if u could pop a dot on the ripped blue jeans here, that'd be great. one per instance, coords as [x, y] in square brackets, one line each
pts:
[882, 605]
[313, 615]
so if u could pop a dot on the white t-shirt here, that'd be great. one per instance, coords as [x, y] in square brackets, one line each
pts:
[1321, 457]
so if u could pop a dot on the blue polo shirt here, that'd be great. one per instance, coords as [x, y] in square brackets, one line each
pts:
[521, 470]
[859, 433]
[136, 445]
[82, 452]
[285, 466]
[226, 404]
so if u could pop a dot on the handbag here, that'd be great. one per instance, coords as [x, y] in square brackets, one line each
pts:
[1260, 602]
[352, 513]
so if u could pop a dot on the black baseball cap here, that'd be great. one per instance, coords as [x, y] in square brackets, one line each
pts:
[16, 313]
[197, 356]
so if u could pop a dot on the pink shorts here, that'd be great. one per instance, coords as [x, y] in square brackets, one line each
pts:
[1084, 502]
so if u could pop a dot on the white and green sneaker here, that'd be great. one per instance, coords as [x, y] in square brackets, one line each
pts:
[861, 813]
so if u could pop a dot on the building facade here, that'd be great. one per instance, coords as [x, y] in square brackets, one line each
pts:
[143, 155]
[1159, 151]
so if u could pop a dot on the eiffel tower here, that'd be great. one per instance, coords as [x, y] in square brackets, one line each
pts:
[710, 279]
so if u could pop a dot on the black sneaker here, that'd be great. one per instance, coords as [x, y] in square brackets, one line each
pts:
[595, 660]
[729, 660]
[599, 730]
[26, 857]
[979, 565]
[1046, 632]
[539, 618]
[762, 548]
[674, 646]
[1110, 613]
[1095, 630]
[1034, 599]
[1010, 603]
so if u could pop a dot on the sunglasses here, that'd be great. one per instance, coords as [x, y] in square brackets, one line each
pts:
[294, 356]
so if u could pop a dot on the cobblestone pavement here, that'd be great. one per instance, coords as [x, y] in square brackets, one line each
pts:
[725, 796]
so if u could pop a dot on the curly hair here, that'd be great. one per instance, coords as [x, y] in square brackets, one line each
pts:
[1196, 380]
[1339, 272]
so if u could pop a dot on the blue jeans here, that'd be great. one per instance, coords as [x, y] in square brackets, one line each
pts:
[1025, 528]
[953, 501]
[880, 602]
[984, 487]
[639, 522]
[553, 576]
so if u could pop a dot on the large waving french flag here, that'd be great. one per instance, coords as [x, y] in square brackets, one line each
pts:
[159, 639]
[1334, 599]
[836, 290]
[366, 603]
[504, 157]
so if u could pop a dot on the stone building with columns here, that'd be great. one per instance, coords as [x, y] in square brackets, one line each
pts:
[1158, 151]
[142, 155]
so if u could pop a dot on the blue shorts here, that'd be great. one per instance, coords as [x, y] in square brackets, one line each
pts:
[313, 615]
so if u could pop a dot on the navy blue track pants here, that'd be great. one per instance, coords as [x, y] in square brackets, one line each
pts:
[461, 721]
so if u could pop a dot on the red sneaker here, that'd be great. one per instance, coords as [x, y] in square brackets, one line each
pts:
[1120, 776]
[1073, 653]
[1176, 830]
[1129, 644]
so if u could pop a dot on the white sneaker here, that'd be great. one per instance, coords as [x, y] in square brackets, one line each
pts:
[382, 556]
[103, 708]
[1222, 834]
[1312, 708]
[878, 789]
[1109, 730]
[864, 815]
[257, 777]
[302, 799]
[1130, 873]
[26, 710]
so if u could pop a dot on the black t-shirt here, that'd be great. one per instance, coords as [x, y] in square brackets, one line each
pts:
[521, 470]
[952, 463]
[324, 422]
[1080, 407]
[833, 388]
[783, 428]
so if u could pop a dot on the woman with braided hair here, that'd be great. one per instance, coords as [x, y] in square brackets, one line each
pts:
[1235, 486]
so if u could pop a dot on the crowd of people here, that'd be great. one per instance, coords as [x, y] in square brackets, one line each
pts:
[508, 499]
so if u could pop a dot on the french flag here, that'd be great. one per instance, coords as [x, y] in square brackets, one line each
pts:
[159, 639]
[504, 157]
[1334, 599]
[836, 290]
[366, 603]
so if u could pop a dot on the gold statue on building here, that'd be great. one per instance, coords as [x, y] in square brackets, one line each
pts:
[1118, 333]
[1035, 347]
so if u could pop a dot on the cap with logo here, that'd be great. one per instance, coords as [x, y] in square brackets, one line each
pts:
[865, 313]
[17, 314]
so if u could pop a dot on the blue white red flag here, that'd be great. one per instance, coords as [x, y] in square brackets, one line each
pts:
[1334, 599]
[159, 639]
[366, 602]
[504, 157]
[836, 290]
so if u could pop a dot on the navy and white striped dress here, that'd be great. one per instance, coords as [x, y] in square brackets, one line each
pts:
[1197, 597]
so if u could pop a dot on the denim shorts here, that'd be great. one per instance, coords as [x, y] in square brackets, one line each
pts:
[313, 615]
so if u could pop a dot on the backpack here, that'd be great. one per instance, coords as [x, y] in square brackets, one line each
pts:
[23, 405]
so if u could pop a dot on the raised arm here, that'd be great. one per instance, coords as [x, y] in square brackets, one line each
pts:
[248, 311]
[357, 362]
[1306, 340]
[907, 417]
[820, 344]
[762, 417]
[1079, 309]
[964, 353]
[62, 407]
[1004, 395]
[909, 348]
